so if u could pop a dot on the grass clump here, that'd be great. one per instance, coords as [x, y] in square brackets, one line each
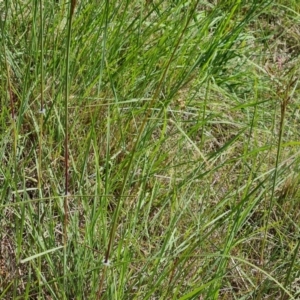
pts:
[149, 150]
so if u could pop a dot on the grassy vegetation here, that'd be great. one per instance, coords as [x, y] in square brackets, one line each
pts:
[149, 149]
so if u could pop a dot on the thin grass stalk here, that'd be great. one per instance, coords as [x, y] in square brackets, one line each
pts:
[66, 123]
[41, 111]
[133, 150]
[9, 85]
[108, 129]
[11, 104]
[66, 116]
[41, 119]
[284, 102]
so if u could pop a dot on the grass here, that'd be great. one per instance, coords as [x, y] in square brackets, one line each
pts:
[150, 150]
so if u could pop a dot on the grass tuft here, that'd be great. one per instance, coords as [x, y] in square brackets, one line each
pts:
[149, 149]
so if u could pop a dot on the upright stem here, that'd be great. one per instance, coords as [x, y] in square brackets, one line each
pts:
[284, 102]
[66, 119]
[39, 163]
[42, 94]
